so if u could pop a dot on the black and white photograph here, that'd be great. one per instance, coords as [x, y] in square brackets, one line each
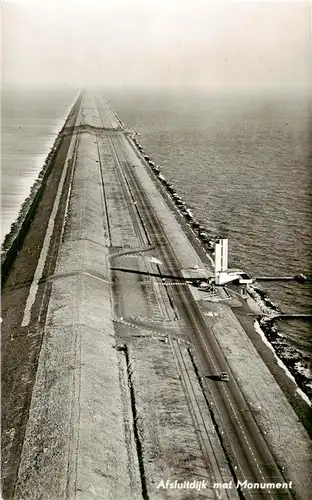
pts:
[156, 257]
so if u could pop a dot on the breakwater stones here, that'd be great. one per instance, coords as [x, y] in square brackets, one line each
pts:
[200, 231]
[297, 363]
[292, 358]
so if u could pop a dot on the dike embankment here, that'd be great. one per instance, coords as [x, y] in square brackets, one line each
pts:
[75, 442]
[105, 419]
[15, 238]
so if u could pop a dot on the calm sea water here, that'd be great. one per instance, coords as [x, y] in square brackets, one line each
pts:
[31, 120]
[241, 162]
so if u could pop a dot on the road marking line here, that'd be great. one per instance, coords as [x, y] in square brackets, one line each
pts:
[227, 396]
[95, 277]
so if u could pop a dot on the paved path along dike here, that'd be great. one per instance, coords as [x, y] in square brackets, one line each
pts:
[103, 387]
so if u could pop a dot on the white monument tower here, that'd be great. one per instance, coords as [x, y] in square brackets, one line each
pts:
[221, 262]
[221, 255]
[222, 273]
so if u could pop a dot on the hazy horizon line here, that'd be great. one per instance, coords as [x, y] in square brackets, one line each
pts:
[171, 87]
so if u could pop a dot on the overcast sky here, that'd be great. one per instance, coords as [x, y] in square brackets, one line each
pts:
[198, 43]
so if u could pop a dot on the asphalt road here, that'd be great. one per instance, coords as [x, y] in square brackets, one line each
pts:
[24, 306]
[250, 454]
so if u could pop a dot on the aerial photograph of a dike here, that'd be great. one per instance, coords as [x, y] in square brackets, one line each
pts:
[156, 262]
